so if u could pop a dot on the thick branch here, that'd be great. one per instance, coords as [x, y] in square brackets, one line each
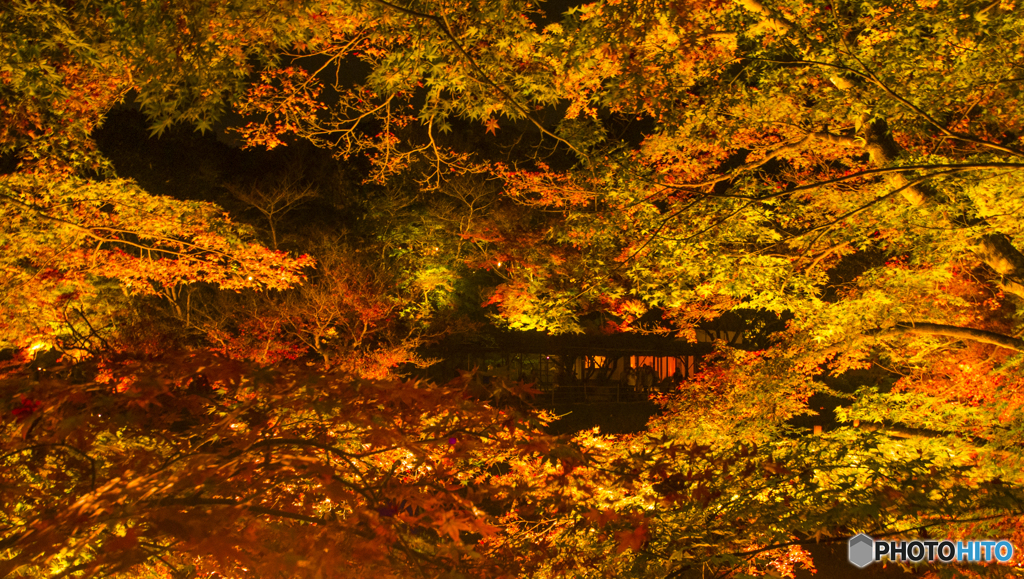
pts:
[883, 150]
[898, 431]
[92, 231]
[996, 250]
[974, 335]
[196, 502]
[769, 21]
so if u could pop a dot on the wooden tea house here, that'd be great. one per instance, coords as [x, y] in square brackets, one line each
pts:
[584, 368]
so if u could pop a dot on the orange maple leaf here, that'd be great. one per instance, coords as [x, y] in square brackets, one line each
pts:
[631, 538]
[449, 524]
[492, 126]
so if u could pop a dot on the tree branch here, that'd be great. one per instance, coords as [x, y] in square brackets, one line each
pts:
[442, 24]
[198, 502]
[960, 333]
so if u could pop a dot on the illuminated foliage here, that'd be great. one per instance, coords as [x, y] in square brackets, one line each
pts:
[62, 239]
[204, 465]
[850, 168]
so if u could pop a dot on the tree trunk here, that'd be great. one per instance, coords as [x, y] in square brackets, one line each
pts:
[994, 249]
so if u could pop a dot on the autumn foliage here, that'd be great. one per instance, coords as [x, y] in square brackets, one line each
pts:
[212, 376]
[214, 466]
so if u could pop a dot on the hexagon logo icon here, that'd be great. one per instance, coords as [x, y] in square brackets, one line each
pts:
[861, 551]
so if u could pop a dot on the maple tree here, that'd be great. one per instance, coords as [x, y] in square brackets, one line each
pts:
[66, 242]
[852, 168]
[178, 466]
[346, 314]
[72, 232]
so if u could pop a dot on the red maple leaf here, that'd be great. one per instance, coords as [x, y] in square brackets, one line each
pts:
[27, 407]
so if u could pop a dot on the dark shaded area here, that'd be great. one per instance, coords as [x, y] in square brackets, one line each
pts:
[830, 560]
[849, 382]
[611, 417]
